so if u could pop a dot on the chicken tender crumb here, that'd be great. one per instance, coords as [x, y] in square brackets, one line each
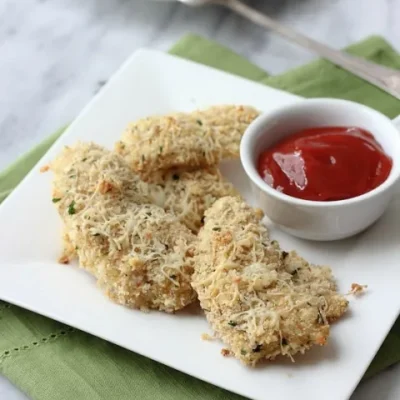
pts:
[226, 352]
[357, 289]
[206, 336]
[64, 259]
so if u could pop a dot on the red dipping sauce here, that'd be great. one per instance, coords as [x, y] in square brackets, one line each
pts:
[325, 164]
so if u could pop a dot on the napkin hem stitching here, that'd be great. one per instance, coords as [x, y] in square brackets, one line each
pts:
[7, 354]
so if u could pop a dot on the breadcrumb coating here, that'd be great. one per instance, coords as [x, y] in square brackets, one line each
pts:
[185, 140]
[260, 300]
[228, 124]
[141, 256]
[187, 194]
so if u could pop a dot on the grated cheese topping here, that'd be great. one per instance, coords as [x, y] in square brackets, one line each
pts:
[141, 255]
[86, 170]
[260, 300]
[185, 140]
[228, 123]
[187, 194]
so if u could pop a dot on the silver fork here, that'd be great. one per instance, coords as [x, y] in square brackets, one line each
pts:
[385, 78]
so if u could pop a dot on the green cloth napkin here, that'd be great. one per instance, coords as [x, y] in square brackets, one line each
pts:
[51, 361]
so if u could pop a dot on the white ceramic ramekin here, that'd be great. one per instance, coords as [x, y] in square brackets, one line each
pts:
[319, 220]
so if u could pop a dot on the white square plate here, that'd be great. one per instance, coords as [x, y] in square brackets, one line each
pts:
[151, 83]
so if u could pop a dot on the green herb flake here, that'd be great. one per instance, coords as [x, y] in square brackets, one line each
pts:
[76, 248]
[216, 229]
[72, 176]
[161, 149]
[84, 159]
[243, 352]
[199, 122]
[143, 157]
[96, 234]
[232, 323]
[175, 177]
[71, 208]
[56, 199]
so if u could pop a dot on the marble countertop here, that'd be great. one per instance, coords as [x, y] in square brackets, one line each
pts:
[55, 55]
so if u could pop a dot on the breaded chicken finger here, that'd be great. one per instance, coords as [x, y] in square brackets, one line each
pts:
[165, 142]
[259, 300]
[185, 140]
[140, 255]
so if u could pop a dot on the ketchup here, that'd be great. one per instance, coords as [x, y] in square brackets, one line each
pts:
[325, 164]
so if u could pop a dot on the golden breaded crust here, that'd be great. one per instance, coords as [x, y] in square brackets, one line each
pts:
[141, 256]
[228, 123]
[180, 140]
[165, 142]
[84, 169]
[320, 280]
[187, 194]
[259, 300]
